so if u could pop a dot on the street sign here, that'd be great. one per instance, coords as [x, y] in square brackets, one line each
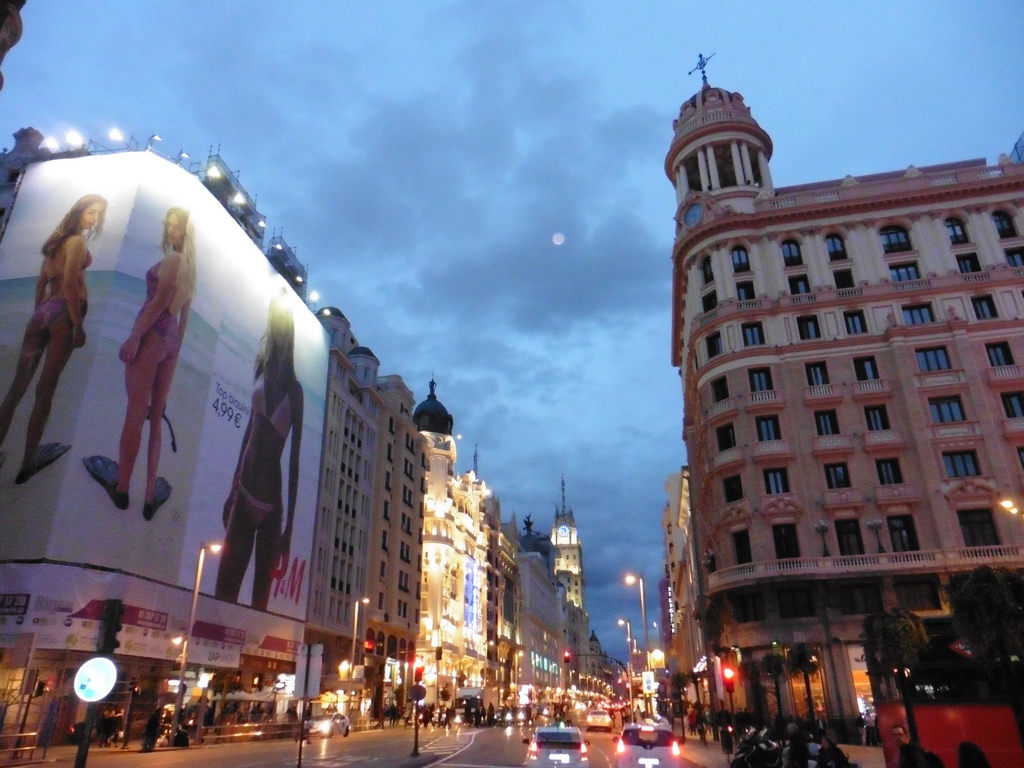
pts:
[95, 679]
[418, 692]
[650, 686]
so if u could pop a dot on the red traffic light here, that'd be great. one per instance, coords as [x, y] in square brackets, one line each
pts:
[566, 657]
[417, 670]
[729, 677]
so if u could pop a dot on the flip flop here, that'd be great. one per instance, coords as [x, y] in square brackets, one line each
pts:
[46, 454]
[161, 493]
[104, 472]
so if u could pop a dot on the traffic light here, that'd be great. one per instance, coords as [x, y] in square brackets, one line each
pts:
[566, 656]
[417, 670]
[729, 678]
[110, 625]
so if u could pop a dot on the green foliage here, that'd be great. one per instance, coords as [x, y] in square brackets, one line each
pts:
[750, 670]
[895, 638]
[773, 665]
[801, 660]
[988, 611]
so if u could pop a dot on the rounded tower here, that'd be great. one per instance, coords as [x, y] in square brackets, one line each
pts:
[718, 157]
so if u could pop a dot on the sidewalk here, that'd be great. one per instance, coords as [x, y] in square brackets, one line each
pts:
[712, 755]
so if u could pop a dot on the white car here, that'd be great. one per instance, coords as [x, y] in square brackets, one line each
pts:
[644, 746]
[328, 725]
[557, 745]
[599, 720]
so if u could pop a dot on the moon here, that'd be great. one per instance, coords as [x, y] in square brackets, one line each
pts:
[558, 238]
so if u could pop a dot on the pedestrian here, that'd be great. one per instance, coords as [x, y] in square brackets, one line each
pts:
[969, 755]
[911, 755]
[830, 755]
[151, 732]
[691, 721]
[797, 754]
[871, 735]
[859, 725]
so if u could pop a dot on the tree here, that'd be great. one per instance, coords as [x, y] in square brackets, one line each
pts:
[752, 672]
[774, 666]
[695, 678]
[801, 661]
[895, 640]
[679, 680]
[988, 614]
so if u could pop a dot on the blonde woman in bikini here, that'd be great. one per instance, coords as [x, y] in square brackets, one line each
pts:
[150, 355]
[55, 330]
[253, 512]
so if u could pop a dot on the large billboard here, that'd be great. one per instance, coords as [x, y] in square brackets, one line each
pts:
[162, 386]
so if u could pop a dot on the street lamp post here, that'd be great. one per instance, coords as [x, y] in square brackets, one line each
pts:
[631, 580]
[629, 663]
[180, 699]
[352, 652]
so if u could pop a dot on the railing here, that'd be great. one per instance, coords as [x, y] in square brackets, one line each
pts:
[848, 565]
[17, 747]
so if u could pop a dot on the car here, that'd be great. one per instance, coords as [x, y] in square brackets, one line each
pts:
[328, 725]
[644, 746]
[557, 746]
[599, 720]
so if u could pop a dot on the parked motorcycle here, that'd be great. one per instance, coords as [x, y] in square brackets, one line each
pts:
[756, 750]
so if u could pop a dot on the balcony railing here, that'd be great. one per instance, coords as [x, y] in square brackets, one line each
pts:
[857, 565]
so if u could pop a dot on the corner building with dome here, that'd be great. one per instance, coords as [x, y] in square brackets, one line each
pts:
[853, 396]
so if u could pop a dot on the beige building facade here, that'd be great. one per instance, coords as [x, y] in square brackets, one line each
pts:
[853, 399]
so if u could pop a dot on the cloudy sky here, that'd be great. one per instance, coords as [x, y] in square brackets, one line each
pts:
[421, 156]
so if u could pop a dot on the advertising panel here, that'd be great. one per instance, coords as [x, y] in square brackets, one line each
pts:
[162, 386]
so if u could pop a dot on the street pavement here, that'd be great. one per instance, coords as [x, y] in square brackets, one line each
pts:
[712, 756]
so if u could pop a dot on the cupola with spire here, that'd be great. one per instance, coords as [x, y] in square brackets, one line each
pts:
[718, 157]
[432, 416]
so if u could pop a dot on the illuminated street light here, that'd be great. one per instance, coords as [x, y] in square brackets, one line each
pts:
[630, 581]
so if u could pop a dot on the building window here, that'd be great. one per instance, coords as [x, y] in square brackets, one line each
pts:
[894, 239]
[967, 263]
[791, 256]
[720, 389]
[776, 481]
[706, 272]
[977, 527]
[1013, 404]
[836, 247]
[795, 603]
[917, 595]
[768, 428]
[709, 300]
[902, 533]
[999, 354]
[932, 359]
[889, 472]
[956, 231]
[799, 284]
[848, 536]
[855, 599]
[786, 543]
[807, 327]
[741, 546]
[745, 290]
[1015, 257]
[837, 476]
[843, 278]
[876, 418]
[984, 307]
[1004, 224]
[817, 373]
[903, 272]
[946, 409]
[961, 464]
[753, 334]
[726, 437]
[855, 322]
[760, 379]
[713, 344]
[740, 259]
[732, 488]
[827, 422]
[747, 607]
[916, 314]
[865, 368]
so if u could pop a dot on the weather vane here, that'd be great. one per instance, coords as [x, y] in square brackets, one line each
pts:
[701, 64]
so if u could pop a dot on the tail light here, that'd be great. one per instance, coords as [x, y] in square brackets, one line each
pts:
[583, 747]
[675, 748]
[532, 751]
[620, 748]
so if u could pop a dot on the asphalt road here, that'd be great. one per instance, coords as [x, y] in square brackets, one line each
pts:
[390, 748]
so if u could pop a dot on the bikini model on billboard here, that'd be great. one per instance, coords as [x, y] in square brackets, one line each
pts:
[253, 511]
[150, 355]
[55, 329]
